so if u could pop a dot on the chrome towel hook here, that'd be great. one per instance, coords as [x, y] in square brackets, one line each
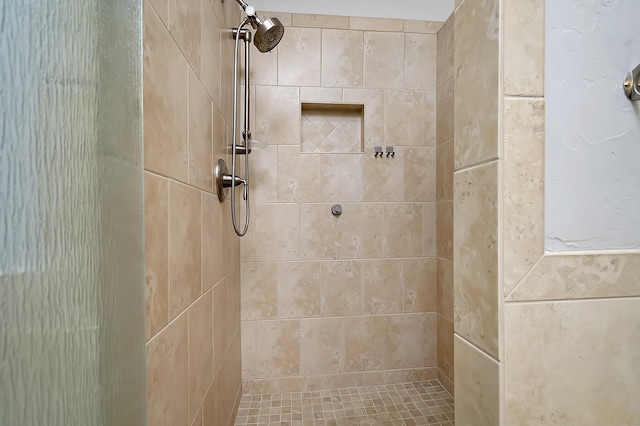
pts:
[632, 84]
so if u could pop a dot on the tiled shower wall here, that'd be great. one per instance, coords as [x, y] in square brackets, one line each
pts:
[444, 209]
[350, 300]
[192, 285]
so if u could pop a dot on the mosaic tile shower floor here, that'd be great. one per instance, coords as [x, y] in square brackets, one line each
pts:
[419, 403]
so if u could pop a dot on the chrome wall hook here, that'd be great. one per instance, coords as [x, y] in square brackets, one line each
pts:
[631, 84]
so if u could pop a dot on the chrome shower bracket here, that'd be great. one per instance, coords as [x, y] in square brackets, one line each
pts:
[632, 84]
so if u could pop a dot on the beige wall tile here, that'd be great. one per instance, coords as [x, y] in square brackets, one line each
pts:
[383, 67]
[220, 310]
[249, 350]
[277, 232]
[185, 233]
[364, 343]
[429, 229]
[299, 57]
[200, 136]
[524, 48]
[230, 256]
[419, 174]
[341, 177]
[197, 420]
[420, 285]
[211, 218]
[449, 32]
[248, 242]
[320, 232]
[277, 115]
[264, 176]
[446, 382]
[445, 288]
[476, 50]
[427, 27]
[322, 345]
[319, 21]
[362, 230]
[445, 346]
[259, 290]
[299, 175]
[337, 381]
[575, 362]
[444, 229]
[477, 385]
[524, 137]
[299, 289]
[167, 375]
[211, 52]
[156, 245]
[165, 102]
[376, 24]
[200, 351]
[420, 56]
[476, 256]
[444, 129]
[382, 282]
[409, 117]
[403, 230]
[320, 94]
[410, 340]
[234, 302]
[384, 176]
[373, 101]
[441, 72]
[264, 67]
[184, 26]
[278, 348]
[341, 288]
[161, 7]
[342, 58]
[444, 171]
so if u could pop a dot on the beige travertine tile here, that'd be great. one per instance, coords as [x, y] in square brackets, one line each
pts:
[449, 32]
[476, 51]
[200, 350]
[277, 115]
[384, 176]
[319, 21]
[524, 48]
[420, 285]
[218, 9]
[161, 7]
[403, 230]
[156, 253]
[211, 218]
[446, 382]
[429, 229]
[167, 375]
[299, 57]
[322, 345]
[373, 101]
[299, 289]
[376, 24]
[364, 343]
[383, 67]
[220, 310]
[441, 72]
[230, 256]
[362, 230]
[337, 381]
[444, 171]
[264, 67]
[444, 130]
[197, 420]
[221, 139]
[420, 56]
[264, 176]
[277, 231]
[476, 256]
[185, 233]
[226, 78]
[477, 385]
[409, 117]
[445, 346]
[299, 175]
[249, 350]
[248, 242]
[563, 358]
[278, 347]
[341, 288]
[259, 290]
[524, 135]
[321, 95]
[342, 58]
[410, 340]
[184, 26]
[577, 276]
[341, 177]
[382, 282]
[444, 229]
[419, 174]
[426, 27]
[320, 232]
[445, 288]
[211, 52]
[234, 302]
[165, 102]
[200, 136]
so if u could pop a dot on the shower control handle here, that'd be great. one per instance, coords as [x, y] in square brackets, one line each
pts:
[228, 181]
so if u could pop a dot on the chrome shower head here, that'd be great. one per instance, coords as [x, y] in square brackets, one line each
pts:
[268, 34]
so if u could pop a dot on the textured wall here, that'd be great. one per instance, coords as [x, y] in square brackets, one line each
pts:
[334, 301]
[192, 252]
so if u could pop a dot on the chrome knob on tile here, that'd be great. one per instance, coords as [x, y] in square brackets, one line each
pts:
[632, 84]
[336, 210]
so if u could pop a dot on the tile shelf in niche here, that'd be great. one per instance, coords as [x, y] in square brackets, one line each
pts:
[332, 128]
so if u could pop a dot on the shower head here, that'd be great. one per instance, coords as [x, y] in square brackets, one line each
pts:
[268, 32]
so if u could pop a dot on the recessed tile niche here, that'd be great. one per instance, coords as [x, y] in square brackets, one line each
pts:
[332, 128]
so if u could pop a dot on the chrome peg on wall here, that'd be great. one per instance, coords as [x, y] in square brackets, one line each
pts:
[632, 84]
